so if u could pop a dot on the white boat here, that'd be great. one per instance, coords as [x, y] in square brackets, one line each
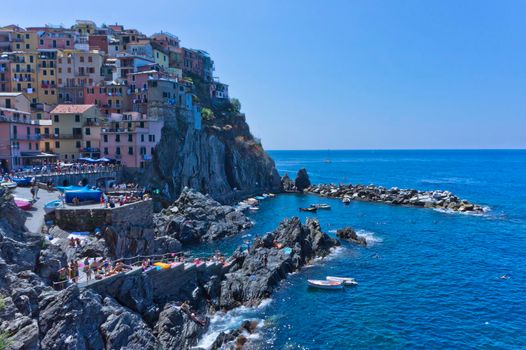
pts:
[253, 208]
[321, 206]
[324, 284]
[8, 184]
[348, 281]
[51, 206]
[346, 200]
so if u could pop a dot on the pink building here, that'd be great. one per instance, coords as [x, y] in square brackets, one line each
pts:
[109, 97]
[130, 138]
[56, 40]
[19, 141]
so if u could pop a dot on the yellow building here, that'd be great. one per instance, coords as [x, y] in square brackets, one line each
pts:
[84, 27]
[75, 128]
[161, 58]
[47, 76]
[23, 74]
[24, 41]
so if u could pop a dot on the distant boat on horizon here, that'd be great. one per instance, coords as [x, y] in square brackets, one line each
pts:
[328, 159]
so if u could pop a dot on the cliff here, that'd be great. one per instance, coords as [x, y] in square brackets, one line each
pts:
[221, 158]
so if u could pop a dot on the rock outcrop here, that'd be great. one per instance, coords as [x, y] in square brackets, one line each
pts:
[429, 199]
[302, 180]
[257, 272]
[195, 217]
[350, 235]
[235, 339]
[221, 158]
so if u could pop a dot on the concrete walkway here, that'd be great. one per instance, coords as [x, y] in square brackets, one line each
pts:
[35, 218]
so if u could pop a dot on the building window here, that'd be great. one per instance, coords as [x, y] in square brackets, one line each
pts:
[105, 138]
[37, 146]
[88, 144]
[118, 150]
[77, 144]
[106, 150]
[90, 59]
[56, 119]
[57, 144]
[130, 150]
[87, 131]
[130, 138]
[77, 118]
[142, 137]
[117, 138]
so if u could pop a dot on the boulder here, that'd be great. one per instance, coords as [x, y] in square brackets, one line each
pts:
[349, 234]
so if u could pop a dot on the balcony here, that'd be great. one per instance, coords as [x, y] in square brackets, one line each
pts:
[90, 149]
[108, 130]
[26, 138]
[61, 136]
[48, 86]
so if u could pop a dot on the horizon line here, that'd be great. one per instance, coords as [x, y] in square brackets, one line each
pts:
[398, 149]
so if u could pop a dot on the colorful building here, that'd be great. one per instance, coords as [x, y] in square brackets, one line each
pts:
[56, 40]
[19, 141]
[76, 70]
[47, 77]
[131, 138]
[23, 73]
[75, 127]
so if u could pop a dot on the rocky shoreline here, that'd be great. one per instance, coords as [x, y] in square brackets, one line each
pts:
[143, 309]
[444, 200]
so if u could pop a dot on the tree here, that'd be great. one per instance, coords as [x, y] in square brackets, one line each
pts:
[207, 114]
[235, 105]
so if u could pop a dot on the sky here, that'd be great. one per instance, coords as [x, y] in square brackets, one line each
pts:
[349, 74]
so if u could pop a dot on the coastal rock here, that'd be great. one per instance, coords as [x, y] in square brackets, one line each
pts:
[176, 330]
[287, 185]
[195, 217]
[257, 272]
[235, 339]
[396, 196]
[350, 235]
[302, 180]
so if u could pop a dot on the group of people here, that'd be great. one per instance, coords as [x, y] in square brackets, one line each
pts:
[95, 269]
[69, 272]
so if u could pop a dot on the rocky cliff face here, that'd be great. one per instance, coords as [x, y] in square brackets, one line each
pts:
[221, 159]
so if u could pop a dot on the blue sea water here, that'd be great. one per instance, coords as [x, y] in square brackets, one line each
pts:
[427, 280]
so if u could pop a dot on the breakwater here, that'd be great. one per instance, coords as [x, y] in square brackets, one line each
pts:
[396, 196]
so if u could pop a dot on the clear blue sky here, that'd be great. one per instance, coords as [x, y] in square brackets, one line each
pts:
[346, 74]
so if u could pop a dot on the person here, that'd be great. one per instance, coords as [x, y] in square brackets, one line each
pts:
[88, 272]
[77, 241]
[32, 190]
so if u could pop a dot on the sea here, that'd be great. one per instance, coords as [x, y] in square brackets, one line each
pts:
[428, 279]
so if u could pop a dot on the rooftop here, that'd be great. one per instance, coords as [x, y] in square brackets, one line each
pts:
[71, 109]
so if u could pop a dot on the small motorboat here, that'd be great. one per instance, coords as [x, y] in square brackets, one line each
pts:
[22, 203]
[51, 206]
[8, 184]
[324, 284]
[309, 209]
[253, 208]
[260, 198]
[348, 281]
[346, 200]
[321, 206]
[22, 181]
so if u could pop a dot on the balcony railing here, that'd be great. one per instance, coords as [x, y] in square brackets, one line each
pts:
[61, 136]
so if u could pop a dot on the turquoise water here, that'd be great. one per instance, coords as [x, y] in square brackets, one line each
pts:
[428, 279]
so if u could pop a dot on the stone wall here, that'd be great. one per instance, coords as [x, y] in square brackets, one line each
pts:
[74, 178]
[84, 219]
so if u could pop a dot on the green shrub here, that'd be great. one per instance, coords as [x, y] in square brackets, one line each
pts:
[207, 113]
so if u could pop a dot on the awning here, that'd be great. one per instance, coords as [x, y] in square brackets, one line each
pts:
[37, 155]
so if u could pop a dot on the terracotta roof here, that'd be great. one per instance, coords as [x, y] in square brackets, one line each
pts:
[70, 109]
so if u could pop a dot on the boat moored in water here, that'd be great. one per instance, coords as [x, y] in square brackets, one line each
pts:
[324, 284]
[348, 281]
[309, 209]
[346, 200]
[321, 206]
